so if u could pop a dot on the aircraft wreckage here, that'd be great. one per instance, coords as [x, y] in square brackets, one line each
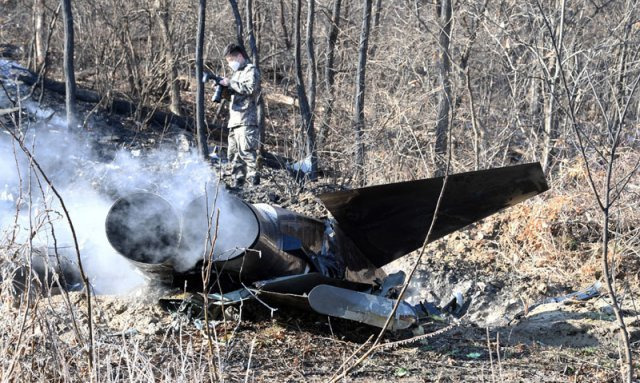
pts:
[332, 266]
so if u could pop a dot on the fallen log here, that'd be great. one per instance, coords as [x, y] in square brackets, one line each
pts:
[121, 106]
[159, 117]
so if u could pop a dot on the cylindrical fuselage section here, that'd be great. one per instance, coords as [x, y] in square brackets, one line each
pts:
[277, 250]
[242, 239]
[248, 242]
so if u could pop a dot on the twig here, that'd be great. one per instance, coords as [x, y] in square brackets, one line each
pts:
[206, 272]
[64, 292]
[255, 296]
[27, 293]
[253, 344]
[498, 354]
[404, 342]
[493, 372]
[335, 377]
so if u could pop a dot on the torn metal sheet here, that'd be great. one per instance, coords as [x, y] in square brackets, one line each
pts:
[361, 307]
[392, 282]
[582, 295]
[592, 291]
[231, 298]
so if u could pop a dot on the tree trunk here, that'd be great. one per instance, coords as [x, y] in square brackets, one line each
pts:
[40, 39]
[311, 56]
[360, 175]
[376, 25]
[623, 52]
[305, 111]
[477, 136]
[238, 17]
[283, 25]
[330, 70]
[69, 72]
[466, 72]
[550, 107]
[444, 13]
[162, 12]
[376, 15]
[255, 55]
[201, 135]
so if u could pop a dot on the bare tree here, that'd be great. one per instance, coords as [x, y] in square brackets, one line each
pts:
[444, 14]
[466, 69]
[329, 69]
[201, 135]
[43, 40]
[305, 110]
[550, 105]
[171, 67]
[606, 143]
[283, 26]
[359, 125]
[255, 56]
[69, 72]
[613, 186]
[238, 18]
[39, 35]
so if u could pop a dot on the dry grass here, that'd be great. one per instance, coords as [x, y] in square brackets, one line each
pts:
[555, 235]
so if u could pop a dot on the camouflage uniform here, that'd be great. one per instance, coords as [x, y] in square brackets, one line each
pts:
[244, 136]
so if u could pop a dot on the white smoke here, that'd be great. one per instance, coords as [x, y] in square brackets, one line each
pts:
[88, 184]
[237, 228]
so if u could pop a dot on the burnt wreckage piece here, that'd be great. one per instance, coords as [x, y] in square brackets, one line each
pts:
[331, 266]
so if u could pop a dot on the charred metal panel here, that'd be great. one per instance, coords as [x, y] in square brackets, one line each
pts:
[358, 267]
[388, 221]
[304, 283]
[307, 230]
[292, 300]
[145, 228]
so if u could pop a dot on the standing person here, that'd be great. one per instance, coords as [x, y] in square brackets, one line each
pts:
[244, 136]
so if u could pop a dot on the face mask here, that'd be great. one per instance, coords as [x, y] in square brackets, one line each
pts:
[235, 65]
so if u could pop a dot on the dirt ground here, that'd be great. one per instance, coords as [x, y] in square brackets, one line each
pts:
[575, 341]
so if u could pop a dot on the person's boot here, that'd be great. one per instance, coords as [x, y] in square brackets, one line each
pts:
[255, 180]
[239, 183]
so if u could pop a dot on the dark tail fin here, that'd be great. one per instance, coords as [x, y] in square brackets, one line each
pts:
[389, 221]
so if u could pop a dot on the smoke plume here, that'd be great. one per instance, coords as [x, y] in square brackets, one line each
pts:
[90, 174]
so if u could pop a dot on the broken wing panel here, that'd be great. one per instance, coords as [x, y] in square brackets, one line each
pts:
[388, 221]
[361, 307]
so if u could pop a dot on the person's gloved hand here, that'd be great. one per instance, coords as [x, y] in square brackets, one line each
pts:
[206, 77]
